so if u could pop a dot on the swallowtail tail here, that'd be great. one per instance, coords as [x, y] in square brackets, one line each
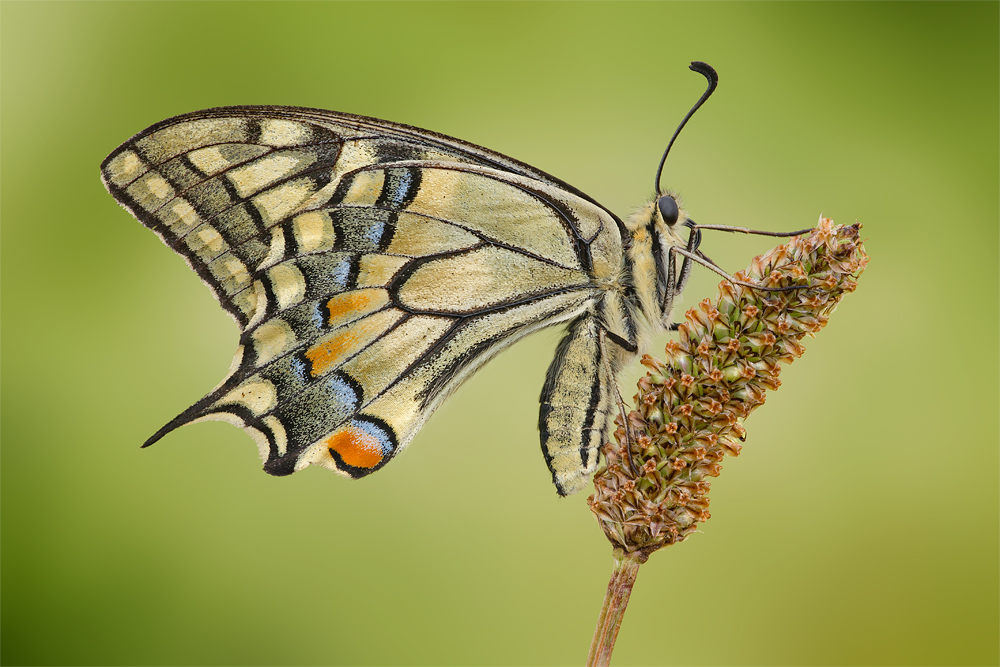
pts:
[372, 267]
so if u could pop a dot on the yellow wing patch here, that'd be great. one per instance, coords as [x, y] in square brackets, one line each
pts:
[515, 218]
[313, 231]
[419, 236]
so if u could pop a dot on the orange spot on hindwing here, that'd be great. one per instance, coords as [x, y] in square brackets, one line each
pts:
[330, 352]
[348, 302]
[345, 341]
[349, 306]
[361, 446]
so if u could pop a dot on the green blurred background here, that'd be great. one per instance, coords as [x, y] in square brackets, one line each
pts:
[860, 525]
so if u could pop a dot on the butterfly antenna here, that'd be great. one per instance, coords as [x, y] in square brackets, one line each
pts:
[747, 230]
[699, 257]
[713, 81]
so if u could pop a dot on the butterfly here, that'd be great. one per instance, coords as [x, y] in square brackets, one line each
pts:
[372, 267]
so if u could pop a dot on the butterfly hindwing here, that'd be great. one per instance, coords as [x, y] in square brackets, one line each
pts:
[577, 401]
[371, 268]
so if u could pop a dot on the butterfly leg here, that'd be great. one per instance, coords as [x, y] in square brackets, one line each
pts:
[694, 240]
[619, 401]
[676, 281]
[577, 399]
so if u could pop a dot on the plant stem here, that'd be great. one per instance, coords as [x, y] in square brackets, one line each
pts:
[615, 601]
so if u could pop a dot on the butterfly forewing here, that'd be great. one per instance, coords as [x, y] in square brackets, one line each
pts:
[371, 268]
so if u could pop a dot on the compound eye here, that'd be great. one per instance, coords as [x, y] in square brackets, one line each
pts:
[668, 209]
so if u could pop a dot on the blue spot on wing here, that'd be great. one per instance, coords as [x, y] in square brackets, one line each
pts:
[341, 273]
[343, 393]
[375, 233]
[402, 183]
[377, 432]
[317, 316]
[300, 369]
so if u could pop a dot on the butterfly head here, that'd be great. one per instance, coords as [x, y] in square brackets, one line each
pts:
[668, 209]
[663, 216]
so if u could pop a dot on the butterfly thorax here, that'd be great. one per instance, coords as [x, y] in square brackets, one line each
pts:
[648, 257]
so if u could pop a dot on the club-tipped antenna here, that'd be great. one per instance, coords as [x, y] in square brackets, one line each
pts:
[713, 81]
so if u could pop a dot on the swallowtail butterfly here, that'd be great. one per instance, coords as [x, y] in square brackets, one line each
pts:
[372, 267]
